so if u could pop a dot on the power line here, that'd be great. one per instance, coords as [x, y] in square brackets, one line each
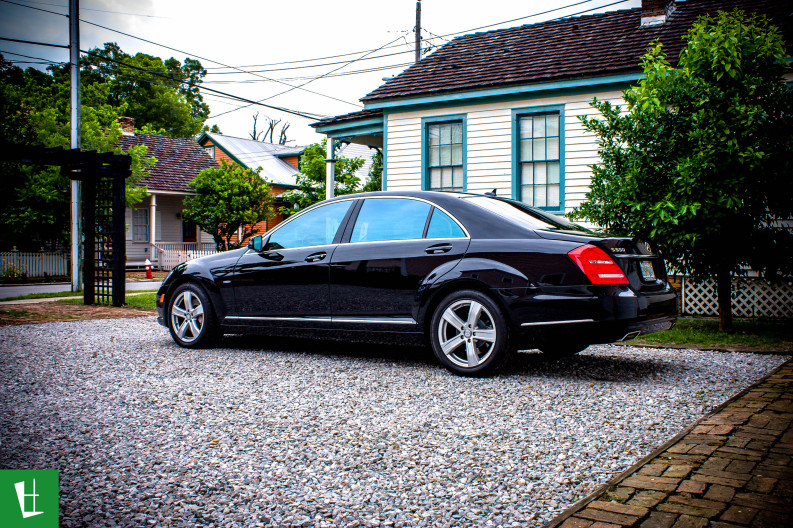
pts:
[36, 8]
[441, 36]
[30, 57]
[187, 83]
[97, 10]
[210, 60]
[34, 43]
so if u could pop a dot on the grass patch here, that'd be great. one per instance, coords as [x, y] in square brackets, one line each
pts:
[41, 296]
[146, 301]
[704, 333]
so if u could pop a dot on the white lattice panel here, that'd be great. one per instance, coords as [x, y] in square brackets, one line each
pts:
[751, 297]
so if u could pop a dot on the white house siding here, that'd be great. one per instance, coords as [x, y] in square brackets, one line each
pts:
[168, 227]
[489, 144]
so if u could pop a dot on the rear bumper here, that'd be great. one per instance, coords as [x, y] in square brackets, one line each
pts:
[591, 315]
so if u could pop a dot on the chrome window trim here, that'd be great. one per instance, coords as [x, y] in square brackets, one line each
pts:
[324, 319]
[570, 321]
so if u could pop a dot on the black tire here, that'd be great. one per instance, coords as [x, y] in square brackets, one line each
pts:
[191, 317]
[466, 336]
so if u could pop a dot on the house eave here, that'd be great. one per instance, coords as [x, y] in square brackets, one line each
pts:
[515, 91]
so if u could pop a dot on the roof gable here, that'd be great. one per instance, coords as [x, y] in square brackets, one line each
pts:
[572, 48]
[179, 160]
[253, 154]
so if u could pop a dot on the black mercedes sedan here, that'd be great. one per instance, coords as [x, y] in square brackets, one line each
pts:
[477, 277]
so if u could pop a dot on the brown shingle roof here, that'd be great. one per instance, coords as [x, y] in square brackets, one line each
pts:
[179, 160]
[587, 46]
[346, 118]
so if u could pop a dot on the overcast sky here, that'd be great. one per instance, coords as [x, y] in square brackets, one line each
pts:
[253, 35]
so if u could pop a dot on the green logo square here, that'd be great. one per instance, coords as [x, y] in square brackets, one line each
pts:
[29, 498]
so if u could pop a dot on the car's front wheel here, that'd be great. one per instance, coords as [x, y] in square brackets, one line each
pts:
[191, 318]
[469, 334]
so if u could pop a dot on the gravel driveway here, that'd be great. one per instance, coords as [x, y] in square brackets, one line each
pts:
[272, 433]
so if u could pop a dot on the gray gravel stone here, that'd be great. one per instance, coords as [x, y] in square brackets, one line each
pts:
[262, 432]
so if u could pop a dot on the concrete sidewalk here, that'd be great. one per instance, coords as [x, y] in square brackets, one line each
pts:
[733, 468]
[18, 290]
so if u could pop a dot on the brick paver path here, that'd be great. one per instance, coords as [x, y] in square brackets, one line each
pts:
[734, 468]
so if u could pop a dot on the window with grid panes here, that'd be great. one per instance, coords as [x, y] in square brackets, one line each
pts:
[140, 225]
[540, 178]
[445, 154]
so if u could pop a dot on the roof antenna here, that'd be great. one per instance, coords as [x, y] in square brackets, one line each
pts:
[491, 193]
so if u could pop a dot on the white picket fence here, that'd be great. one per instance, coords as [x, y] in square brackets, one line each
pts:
[751, 297]
[173, 253]
[35, 263]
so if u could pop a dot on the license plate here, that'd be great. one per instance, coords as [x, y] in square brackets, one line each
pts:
[646, 268]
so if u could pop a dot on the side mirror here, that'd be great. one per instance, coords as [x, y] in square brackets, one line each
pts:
[255, 243]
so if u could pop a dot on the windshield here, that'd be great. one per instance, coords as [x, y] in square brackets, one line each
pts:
[525, 215]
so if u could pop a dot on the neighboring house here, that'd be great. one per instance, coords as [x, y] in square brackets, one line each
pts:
[156, 229]
[280, 164]
[500, 109]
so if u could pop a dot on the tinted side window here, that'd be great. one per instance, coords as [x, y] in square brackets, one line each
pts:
[314, 228]
[390, 219]
[441, 226]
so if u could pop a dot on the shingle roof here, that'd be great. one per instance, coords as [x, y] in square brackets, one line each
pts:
[585, 46]
[179, 160]
[253, 154]
[353, 116]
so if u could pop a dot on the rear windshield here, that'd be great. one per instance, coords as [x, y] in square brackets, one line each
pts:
[524, 215]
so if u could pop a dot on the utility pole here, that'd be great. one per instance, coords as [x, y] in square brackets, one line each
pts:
[74, 59]
[418, 30]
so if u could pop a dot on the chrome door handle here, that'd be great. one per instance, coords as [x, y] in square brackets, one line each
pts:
[316, 257]
[438, 248]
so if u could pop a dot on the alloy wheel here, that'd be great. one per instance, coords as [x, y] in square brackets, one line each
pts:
[467, 333]
[187, 316]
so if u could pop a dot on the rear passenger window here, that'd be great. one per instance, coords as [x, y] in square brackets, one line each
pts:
[390, 219]
[441, 226]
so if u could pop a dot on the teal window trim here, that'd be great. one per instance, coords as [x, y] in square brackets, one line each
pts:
[517, 113]
[385, 151]
[425, 148]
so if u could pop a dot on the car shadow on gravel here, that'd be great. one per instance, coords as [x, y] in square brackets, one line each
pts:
[584, 366]
[590, 367]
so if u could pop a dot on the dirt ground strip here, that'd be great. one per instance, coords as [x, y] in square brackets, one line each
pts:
[19, 314]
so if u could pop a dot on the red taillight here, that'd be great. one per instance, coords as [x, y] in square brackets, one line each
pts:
[597, 265]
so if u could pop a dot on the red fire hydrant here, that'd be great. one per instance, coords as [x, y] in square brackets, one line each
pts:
[148, 269]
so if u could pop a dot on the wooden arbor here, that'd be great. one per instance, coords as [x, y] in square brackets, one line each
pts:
[103, 201]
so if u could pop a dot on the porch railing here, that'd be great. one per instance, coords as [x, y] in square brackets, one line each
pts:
[173, 253]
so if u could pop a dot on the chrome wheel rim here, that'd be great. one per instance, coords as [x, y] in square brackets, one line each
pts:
[187, 316]
[467, 333]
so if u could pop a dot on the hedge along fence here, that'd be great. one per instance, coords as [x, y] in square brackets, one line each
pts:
[16, 264]
[751, 297]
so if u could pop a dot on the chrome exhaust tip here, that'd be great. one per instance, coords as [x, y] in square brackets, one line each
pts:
[629, 336]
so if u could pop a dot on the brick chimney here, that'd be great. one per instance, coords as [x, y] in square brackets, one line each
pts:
[656, 12]
[127, 125]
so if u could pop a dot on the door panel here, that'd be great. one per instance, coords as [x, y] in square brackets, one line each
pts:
[284, 282]
[382, 278]
[288, 279]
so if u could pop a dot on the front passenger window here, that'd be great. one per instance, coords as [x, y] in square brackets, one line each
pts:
[316, 227]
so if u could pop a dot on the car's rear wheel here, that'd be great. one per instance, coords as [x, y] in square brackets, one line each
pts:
[191, 318]
[469, 334]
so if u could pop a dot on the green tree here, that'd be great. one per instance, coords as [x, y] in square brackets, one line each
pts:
[375, 182]
[34, 109]
[701, 160]
[228, 198]
[311, 180]
[163, 95]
